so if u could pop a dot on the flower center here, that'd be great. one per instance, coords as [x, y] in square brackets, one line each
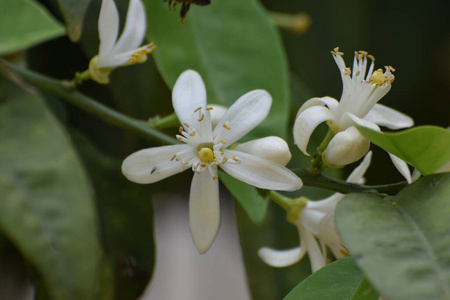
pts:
[205, 154]
[378, 77]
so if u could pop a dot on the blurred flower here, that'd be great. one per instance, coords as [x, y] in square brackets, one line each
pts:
[114, 52]
[362, 89]
[205, 149]
[315, 224]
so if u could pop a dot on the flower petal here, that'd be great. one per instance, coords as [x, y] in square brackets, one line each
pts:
[388, 117]
[260, 172]
[188, 94]
[134, 31]
[153, 164]
[401, 166]
[363, 122]
[358, 172]
[204, 210]
[281, 258]
[328, 101]
[108, 26]
[312, 247]
[306, 122]
[244, 115]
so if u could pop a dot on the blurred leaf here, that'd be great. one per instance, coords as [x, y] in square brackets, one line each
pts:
[235, 48]
[340, 280]
[126, 212]
[248, 197]
[47, 209]
[25, 23]
[402, 243]
[73, 12]
[426, 148]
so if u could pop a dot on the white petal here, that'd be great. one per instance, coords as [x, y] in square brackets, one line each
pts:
[134, 30]
[244, 115]
[328, 101]
[388, 117]
[188, 94]
[217, 113]
[153, 164]
[306, 122]
[272, 148]
[108, 26]
[363, 122]
[314, 251]
[313, 220]
[204, 210]
[115, 60]
[281, 258]
[359, 172]
[260, 172]
[401, 166]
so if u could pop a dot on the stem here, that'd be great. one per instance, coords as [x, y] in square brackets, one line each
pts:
[317, 180]
[165, 122]
[93, 107]
[317, 164]
[281, 200]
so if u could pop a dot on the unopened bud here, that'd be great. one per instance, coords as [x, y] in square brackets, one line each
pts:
[345, 148]
[271, 148]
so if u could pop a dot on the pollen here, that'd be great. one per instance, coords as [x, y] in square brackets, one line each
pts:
[378, 78]
[205, 155]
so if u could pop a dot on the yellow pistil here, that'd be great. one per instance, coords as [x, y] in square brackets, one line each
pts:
[378, 78]
[205, 154]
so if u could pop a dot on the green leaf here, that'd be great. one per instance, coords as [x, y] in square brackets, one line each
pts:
[402, 243]
[248, 197]
[235, 48]
[73, 12]
[340, 280]
[426, 148]
[46, 209]
[25, 23]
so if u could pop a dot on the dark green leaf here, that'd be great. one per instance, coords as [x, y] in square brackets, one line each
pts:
[47, 208]
[340, 280]
[25, 23]
[425, 147]
[235, 48]
[73, 12]
[402, 243]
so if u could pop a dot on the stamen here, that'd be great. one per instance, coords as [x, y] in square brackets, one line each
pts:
[198, 108]
[180, 130]
[371, 57]
[209, 108]
[223, 142]
[337, 52]
[173, 157]
[201, 118]
[379, 78]
[226, 126]
[357, 73]
[235, 158]
[347, 71]
[215, 177]
[224, 160]
[186, 124]
[179, 138]
[192, 133]
[345, 253]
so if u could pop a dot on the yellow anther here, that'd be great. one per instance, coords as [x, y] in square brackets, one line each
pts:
[177, 159]
[378, 78]
[371, 57]
[224, 160]
[347, 71]
[226, 126]
[192, 133]
[357, 73]
[345, 253]
[222, 153]
[173, 157]
[215, 177]
[209, 108]
[179, 138]
[235, 159]
[201, 118]
[180, 129]
[186, 124]
[336, 49]
[198, 108]
[205, 155]
[203, 165]
[223, 142]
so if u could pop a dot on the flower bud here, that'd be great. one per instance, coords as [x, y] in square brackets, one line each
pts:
[345, 148]
[216, 113]
[271, 148]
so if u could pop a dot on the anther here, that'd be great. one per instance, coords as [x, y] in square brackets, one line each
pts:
[347, 71]
[357, 73]
[226, 126]
[371, 57]
[179, 139]
[186, 124]
[235, 158]
[192, 133]
[203, 165]
[209, 108]
[173, 157]
[224, 160]
[223, 142]
[198, 108]
[215, 177]
[201, 118]
[177, 159]
[180, 130]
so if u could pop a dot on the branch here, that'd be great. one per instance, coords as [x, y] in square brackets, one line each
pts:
[93, 107]
[340, 186]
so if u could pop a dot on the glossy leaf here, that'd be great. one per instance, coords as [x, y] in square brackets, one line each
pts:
[73, 12]
[232, 44]
[25, 24]
[46, 209]
[340, 280]
[425, 147]
[402, 243]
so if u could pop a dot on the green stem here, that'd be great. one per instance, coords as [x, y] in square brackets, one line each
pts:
[281, 200]
[317, 180]
[93, 107]
[165, 122]
[317, 165]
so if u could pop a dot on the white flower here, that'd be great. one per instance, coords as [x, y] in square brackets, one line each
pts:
[271, 147]
[362, 89]
[114, 52]
[315, 224]
[205, 149]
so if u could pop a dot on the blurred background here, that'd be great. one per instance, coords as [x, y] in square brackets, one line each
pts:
[412, 36]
